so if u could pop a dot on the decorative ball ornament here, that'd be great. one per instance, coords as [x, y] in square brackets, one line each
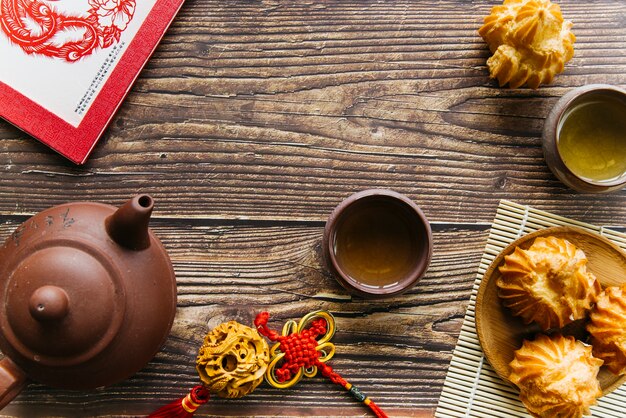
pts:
[529, 40]
[232, 360]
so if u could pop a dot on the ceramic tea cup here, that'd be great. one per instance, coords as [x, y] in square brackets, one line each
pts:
[377, 243]
[584, 138]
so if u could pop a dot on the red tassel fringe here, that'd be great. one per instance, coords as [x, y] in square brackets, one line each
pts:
[183, 407]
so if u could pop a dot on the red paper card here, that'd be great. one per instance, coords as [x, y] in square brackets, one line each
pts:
[66, 65]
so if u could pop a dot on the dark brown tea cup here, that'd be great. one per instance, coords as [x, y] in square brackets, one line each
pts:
[584, 139]
[377, 243]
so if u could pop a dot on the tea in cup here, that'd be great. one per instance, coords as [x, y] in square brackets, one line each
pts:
[377, 243]
[584, 138]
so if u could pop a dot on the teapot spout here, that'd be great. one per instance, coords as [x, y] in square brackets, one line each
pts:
[128, 226]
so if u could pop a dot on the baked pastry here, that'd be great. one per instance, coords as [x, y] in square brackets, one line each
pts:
[556, 376]
[608, 329]
[529, 40]
[548, 283]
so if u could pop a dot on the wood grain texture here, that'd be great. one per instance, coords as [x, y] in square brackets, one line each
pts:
[253, 120]
[396, 350]
[272, 110]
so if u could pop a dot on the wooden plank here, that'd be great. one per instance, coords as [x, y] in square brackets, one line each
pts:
[253, 120]
[279, 111]
[396, 350]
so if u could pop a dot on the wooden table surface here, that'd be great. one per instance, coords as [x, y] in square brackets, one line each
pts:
[253, 120]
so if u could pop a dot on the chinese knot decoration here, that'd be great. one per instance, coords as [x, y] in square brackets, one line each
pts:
[298, 353]
[298, 350]
[38, 28]
[234, 358]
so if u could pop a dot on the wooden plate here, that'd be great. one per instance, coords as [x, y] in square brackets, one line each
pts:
[500, 333]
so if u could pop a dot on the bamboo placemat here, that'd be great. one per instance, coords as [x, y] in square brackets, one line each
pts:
[472, 388]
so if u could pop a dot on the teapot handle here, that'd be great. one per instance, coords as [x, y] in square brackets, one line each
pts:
[12, 381]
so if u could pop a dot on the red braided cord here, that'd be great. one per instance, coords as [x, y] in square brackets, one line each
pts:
[260, 322]
[337, 379]
[334, 377]
[379, 412]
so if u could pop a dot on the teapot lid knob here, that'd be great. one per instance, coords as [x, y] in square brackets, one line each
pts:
[63, 303]
[49, 303]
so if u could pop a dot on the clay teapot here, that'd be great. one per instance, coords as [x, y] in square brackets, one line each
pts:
[87, 297]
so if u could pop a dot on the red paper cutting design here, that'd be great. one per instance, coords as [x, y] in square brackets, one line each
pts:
[78, 28]
[38, 28]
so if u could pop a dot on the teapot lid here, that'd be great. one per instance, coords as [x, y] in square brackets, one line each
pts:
[63, 302]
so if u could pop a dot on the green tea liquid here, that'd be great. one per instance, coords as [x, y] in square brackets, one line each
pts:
[592, 139]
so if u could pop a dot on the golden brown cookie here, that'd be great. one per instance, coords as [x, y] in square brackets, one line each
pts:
[529, 40]
[548, 283]
[556, 376]
[608, 329]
